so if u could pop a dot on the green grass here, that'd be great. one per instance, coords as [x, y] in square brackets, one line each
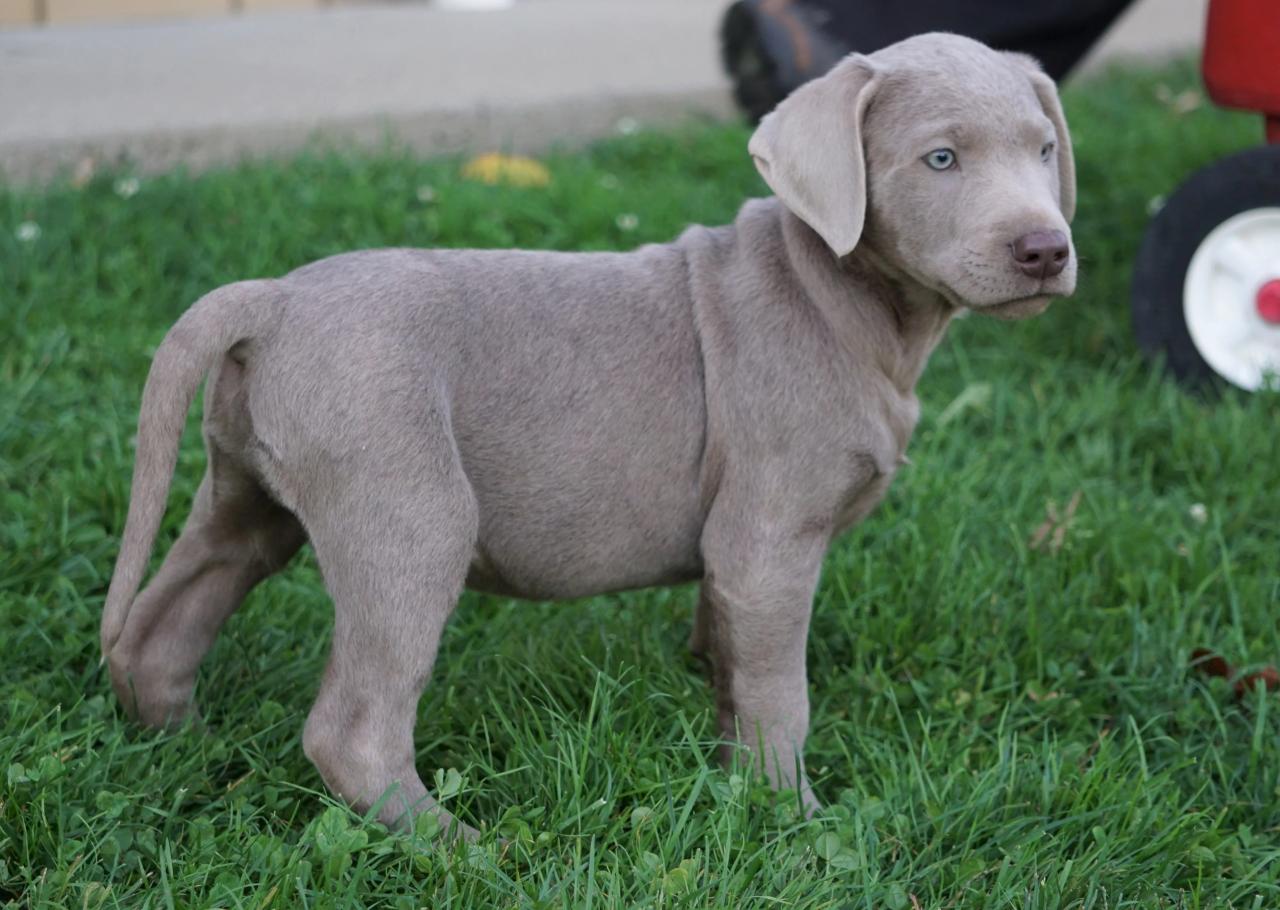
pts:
[993, 726]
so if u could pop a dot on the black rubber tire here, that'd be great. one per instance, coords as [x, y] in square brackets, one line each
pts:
[1244, 181]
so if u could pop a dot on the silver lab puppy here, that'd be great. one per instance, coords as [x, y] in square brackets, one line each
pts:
[553, 425]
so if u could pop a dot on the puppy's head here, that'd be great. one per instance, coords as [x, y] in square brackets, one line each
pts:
[950, 161]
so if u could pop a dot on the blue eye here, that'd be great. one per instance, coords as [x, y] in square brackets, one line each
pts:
[941, 159]
[1046, 151]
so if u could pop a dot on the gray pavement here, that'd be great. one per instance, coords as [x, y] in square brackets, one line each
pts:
[1150, 28]
[439, 79]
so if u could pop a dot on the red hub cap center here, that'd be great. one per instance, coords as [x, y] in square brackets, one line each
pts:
[1269, 302]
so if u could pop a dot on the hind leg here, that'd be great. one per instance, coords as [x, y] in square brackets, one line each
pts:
[394, 543]
[235, 537]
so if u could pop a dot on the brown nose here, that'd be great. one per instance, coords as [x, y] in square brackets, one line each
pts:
[1041, 254]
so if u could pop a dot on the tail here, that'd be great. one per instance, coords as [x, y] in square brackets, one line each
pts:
[215, 323]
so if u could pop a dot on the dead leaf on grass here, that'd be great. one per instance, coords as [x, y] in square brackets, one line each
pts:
[1055, 527]
[1181, 103]
[1211, 664]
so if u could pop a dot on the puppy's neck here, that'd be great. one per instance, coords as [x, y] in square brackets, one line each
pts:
[874, 309]
[917, 315]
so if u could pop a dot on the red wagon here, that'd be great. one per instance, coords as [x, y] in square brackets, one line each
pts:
[1206, 284]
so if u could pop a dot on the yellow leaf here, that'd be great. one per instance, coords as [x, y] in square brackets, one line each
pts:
[494, 168]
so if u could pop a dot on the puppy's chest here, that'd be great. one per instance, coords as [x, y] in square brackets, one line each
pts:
[873, 459]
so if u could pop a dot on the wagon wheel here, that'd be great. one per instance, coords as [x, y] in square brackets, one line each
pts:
[1206, 284]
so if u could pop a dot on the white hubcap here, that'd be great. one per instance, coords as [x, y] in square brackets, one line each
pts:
[1228, 299]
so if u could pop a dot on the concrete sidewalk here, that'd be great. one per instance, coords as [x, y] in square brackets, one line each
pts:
[207, 92]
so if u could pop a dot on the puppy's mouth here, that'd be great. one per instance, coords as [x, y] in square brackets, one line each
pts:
[1018, 307]
[1023, 306]
[1005, 296]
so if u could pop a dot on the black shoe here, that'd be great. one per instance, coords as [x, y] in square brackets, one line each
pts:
[771, 47]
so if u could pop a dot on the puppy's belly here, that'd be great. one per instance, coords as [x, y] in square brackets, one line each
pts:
[555, 586]
[537, 557]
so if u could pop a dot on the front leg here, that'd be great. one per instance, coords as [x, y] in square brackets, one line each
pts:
[757, 596]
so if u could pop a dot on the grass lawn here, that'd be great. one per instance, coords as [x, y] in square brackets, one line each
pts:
[993, 725]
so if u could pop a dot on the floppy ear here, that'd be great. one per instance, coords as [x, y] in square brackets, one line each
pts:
[809, 151]
[1047, 93]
